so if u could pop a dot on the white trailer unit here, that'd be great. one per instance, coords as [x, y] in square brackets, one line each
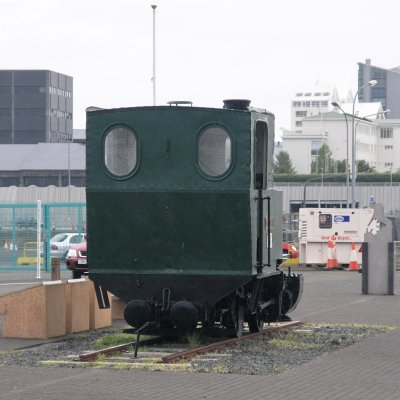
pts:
[343, 226]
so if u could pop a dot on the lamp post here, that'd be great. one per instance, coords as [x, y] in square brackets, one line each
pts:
[154, 6]
[353, 145]
[347, 154]
[370, 115]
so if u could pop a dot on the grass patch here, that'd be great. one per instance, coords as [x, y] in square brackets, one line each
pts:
[116, 339]
[194, 339]
[292, 342]
[100, 357]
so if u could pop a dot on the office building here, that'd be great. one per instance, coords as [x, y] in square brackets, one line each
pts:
[387, 90]
[313, 100]
[35, 107]
[376, 139]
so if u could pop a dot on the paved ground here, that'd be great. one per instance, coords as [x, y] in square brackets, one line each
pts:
[368, 370]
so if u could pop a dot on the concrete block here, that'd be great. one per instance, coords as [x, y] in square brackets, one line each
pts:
[117, 308]
[98, 318]
[37, 313]
[77, 296]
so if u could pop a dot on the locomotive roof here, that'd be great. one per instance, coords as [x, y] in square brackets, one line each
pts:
[180, 107]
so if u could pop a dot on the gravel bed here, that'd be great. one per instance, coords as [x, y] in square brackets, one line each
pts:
[276, 352]
[269, 354]
[72, 345]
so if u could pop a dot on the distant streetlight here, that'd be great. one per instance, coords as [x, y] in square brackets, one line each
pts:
[335, 104]
[154, 6]
[370, 115]
[353, 145]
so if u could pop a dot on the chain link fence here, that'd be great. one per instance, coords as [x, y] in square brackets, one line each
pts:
[30, 234]
[290, 226]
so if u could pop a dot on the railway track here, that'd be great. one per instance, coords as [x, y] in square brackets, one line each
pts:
[180, 355]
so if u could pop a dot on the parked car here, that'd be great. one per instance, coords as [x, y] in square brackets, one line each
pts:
[289, 251]
[26, 222]
[76, 260]
[61, 243]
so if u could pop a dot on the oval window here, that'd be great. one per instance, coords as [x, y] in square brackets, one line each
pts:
[120, 155]
[214, 151]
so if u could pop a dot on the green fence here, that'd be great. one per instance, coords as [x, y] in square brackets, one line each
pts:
[20, 225]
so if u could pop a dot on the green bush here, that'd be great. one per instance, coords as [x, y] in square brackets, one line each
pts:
[370, 177]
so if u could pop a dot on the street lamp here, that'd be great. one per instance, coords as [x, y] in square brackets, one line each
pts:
[353, 145]
[335, 104]
[370, 115]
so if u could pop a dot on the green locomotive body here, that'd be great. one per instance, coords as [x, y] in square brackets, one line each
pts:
[182, 223]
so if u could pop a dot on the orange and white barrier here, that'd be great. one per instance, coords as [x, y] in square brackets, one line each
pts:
[353, 265]
[332, 262]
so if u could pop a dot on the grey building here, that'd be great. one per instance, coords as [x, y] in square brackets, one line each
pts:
[387, 91]
[43, 164]
[35, 107]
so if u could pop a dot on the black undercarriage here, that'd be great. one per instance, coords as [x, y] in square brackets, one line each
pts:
[181, 302]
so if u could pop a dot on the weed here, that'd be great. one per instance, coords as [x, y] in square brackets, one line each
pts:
[100, 357]
[115, 339]
[194, 339]
[219, 369]
[292, 343]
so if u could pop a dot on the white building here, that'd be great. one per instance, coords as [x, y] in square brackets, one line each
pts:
[389, 142]
[376, 138]
[311, 101]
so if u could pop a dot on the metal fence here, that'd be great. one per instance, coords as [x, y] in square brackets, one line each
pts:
[19, 229]
[27, 230]
[290, 226]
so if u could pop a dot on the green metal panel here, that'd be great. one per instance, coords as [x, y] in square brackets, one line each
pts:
[180, 233]
[275, 225]
[167, 217]
[167, 148]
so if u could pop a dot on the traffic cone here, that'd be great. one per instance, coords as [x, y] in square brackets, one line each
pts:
[353, 266]
[332, 260]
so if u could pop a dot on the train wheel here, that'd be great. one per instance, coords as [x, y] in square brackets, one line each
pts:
[255, 323]
[239, 321]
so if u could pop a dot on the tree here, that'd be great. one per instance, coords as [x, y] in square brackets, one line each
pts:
[324, 161]
[341, 166]
[363, 166]
[283, 164]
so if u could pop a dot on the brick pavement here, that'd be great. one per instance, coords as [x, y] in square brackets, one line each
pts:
[368, 370]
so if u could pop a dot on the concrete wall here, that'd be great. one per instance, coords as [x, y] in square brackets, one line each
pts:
[53, 309]
[386, 194]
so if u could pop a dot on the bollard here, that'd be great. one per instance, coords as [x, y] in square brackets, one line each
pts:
[55, 269]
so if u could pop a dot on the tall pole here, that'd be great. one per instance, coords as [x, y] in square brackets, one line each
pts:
[69, 171]
[39, 247]
[154, 6]
[353, 156]
[353, 143]
[391, 187]
[347, 163]
[347, 155]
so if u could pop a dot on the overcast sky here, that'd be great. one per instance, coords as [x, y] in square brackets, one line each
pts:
[207, 50]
